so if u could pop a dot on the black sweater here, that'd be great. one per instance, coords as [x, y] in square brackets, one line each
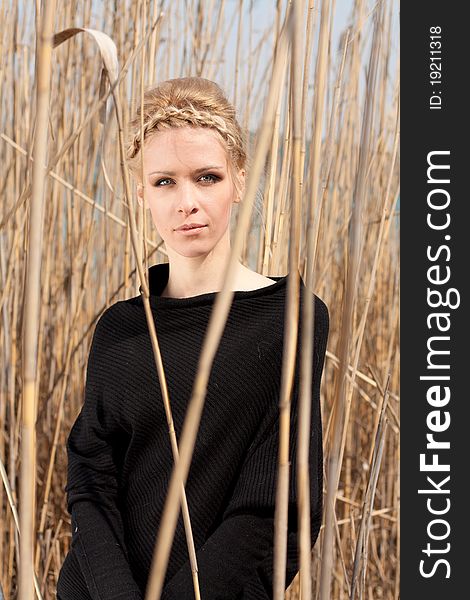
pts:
[120, 460]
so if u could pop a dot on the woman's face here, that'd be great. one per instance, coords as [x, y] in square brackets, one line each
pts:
[187, 180]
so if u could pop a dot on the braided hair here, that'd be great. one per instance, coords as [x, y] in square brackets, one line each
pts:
[183, 102]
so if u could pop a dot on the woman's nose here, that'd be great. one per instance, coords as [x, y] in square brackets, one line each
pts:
[187, 200]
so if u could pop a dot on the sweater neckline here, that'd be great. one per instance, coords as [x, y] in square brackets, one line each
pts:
[158, 278]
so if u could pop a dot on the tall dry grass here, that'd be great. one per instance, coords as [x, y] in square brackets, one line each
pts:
[322, 194]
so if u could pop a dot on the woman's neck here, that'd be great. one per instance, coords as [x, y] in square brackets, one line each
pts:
[199, 275]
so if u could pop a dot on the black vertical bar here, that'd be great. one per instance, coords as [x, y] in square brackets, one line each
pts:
[435, 256]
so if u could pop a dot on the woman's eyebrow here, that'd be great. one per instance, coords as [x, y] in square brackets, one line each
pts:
[196, 171]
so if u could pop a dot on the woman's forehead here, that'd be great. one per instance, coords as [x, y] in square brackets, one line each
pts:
[190, 147]
[185, 136]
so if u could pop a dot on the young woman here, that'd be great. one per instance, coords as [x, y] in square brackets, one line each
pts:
[120, 459]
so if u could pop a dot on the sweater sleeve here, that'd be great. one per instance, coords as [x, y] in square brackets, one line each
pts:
[92, 491]
[236, 562]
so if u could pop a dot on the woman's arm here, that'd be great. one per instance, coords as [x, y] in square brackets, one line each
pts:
[92, 488]
[236, 562]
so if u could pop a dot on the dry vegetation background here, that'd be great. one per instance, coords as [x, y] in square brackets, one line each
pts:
[348, 101]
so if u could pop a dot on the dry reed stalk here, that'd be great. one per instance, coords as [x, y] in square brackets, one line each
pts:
[155, 35]
[48, 559]
[341, 555]
[265, 241]
[214, 332]
[328, 150]
[16, 518]
[310, 29]
[218, 37]
[314, 214]
[291, 321]
[31, 310]
[281, 212]
[143, 211]
[11, 502]
[308, 317]
[237, 54]
[361, 547]
[396, 593]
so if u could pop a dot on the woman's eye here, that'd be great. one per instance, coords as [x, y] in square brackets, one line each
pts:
[161, 181]
[211, 178]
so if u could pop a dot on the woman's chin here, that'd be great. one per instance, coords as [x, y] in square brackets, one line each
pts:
[193, 252]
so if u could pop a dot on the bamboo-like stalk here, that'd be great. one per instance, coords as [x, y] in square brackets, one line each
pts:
[396, 594]
[361, 547]
[265, 249]
[281, 213]
[305, 79]
[48, 560]
[143, 211]
[237, 54]
[291, 320]
[16, 518]
[31, 307]
[308, 317]
[11, 501]
[318, 110]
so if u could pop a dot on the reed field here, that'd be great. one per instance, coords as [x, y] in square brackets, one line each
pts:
[320, 109]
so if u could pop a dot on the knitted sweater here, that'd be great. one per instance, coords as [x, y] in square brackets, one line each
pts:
[120, 460]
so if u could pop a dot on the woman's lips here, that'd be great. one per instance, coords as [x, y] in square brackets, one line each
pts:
[191, 231]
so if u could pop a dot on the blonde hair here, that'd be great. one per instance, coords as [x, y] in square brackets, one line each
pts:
[187, 101]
